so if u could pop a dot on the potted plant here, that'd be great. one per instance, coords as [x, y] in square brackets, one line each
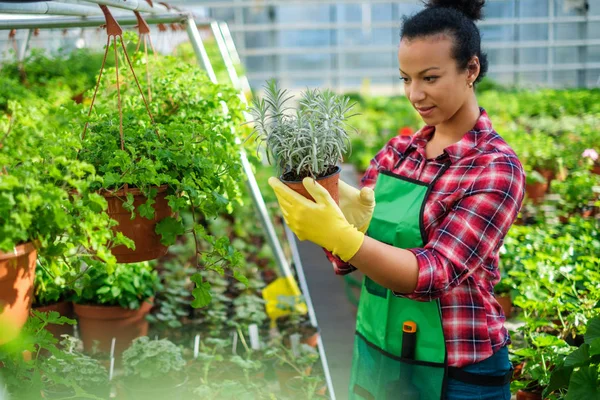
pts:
[577, 373]
[309, 143]
[72, 373]
[51, 293]
[577, 192]
[48, 210]
[115, 305]
[154, 369]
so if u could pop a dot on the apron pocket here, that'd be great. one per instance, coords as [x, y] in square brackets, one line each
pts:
[375, 288]
[382, 376]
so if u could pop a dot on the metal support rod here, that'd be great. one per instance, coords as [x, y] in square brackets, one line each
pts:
[257, 198]
[259, 202]
[311, 311]
[133, 5]
[49, 7]
[75, 22]
[196, 40]
[235, 57]
[24, 44]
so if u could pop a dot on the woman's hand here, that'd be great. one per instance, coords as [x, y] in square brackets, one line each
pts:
[321, 222]
[357, 205]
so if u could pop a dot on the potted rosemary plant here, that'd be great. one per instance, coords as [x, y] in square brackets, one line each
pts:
[307, 143]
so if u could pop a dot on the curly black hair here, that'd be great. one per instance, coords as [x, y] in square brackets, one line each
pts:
[455, 18]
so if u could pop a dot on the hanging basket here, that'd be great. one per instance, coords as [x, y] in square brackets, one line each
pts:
[141, 230]
[17, 272]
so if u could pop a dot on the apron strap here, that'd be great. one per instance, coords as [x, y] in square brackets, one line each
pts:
[479, 380]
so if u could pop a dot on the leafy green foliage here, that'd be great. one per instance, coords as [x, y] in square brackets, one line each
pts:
[308, 143]
[150, 362]
[127, 286]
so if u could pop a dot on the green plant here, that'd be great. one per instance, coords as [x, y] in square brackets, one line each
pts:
[24, 369]
[579, 370]
[50, 289]
[128, 286]
[309, 143]
[78, 372]
[153, 363]
[191, 148]
[577, 191]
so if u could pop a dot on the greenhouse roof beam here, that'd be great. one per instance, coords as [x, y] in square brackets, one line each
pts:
[74, 22]
[133, 5]
[49, 7]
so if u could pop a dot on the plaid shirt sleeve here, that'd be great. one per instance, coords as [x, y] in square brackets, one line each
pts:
[471, 234]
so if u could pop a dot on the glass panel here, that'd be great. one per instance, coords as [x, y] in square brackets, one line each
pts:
[570, 31]
[502, 78]
[533, 8]
[497, 33]
[563, 79]
[593, 54]
[303, 38]
[593, 78]
[498, 57]
[307, 62]
[499, 9]
[303, 13]
[367, 37]
[533, 32]
[566, 55]
[537, 55]
[593, 29]
[564, 8]
[369, 60]
[532, 79]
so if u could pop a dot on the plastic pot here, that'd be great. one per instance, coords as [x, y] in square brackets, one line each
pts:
[141, 230]
[522, 395]
[17, 272]
[505, 302]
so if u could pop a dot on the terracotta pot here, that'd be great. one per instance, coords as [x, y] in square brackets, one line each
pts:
[505, 302]
[17, 272]
[329, 182]
[65, 309]
[312, 340]
[139, 229]
[102, 323]
[536, 191]
[596, 169]
[521, 395]
[549, 175]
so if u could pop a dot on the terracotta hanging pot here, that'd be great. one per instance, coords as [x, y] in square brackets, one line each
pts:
[522, 395]
[596, 169]
[65, 309]
[17, 272]
[102, 323]
[141, 230]
[329, 182]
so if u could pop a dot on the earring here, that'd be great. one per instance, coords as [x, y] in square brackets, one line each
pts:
[470, 84]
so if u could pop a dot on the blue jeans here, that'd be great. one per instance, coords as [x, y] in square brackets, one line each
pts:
[497, 364]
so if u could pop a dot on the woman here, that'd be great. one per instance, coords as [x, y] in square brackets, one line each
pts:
[428, 325]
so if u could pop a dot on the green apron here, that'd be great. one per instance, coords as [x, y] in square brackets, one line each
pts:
[379, 371]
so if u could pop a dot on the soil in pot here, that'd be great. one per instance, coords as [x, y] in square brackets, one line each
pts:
[330, 182]
[65, 309]
[17, 272]
[141, 230]
[102, 323]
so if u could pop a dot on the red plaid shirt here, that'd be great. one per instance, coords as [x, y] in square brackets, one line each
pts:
[467, 214]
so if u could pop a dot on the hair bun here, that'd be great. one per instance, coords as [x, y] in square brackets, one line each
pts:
[471, 8]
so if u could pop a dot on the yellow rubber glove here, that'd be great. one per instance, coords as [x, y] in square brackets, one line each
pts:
[357, 205]
[321, 222]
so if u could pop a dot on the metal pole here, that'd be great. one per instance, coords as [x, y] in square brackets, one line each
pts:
[199, 49]
[49, 7]
[133, 5]
[74, 22]
[257, 198]
[235, 57]
[23, 48]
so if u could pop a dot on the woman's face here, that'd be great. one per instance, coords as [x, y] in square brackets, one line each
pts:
[432, 81]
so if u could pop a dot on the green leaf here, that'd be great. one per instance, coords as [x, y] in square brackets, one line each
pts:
[595, 347]
[146, 210]
[169, 228]
[201, 293]
[593, 330]
[584, 384]
[558, 380]
[578, 357]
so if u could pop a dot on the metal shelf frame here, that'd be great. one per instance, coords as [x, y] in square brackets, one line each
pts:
[228, 53]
